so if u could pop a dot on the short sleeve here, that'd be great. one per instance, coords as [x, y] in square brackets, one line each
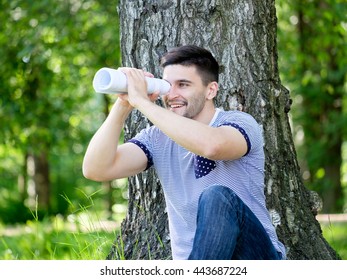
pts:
[145, 150]
[247, 126]
[242, 131]
[144, 140]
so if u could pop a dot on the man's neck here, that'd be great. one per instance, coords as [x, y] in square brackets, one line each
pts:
[207, 114]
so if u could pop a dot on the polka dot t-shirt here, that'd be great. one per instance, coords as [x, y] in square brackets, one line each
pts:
[185, 175]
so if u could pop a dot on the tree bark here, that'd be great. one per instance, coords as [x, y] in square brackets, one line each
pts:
[242, 36]
[39, 182]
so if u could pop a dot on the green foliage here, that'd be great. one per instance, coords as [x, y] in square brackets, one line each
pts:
[14, 211]
[312, 43]
[49, 52]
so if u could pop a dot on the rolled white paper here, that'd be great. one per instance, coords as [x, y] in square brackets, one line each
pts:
[108, 80]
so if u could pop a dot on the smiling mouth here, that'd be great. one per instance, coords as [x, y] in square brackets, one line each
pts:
[176, 105]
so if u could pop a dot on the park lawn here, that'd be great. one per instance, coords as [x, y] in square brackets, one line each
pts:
[55, 240]
[47, 241]
[336, 235]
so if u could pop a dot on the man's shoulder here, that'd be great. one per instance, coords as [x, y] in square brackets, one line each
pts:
[234, 115]
[151, 134]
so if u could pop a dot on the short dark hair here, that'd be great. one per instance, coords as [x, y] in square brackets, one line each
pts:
[190, 55]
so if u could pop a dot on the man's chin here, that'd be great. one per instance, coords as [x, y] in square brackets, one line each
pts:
[179, 111]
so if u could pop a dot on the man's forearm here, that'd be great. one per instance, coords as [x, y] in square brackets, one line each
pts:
[102, 149]
[192, 135]
[222, 143]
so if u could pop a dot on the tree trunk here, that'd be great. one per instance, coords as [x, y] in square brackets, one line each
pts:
[39, 182]
[242, 36]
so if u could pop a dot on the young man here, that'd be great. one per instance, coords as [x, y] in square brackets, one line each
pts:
[210, 162]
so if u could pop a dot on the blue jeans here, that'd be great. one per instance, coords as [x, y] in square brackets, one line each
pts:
[227, 229]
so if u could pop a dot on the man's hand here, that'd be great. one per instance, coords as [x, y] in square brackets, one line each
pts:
[137, 87]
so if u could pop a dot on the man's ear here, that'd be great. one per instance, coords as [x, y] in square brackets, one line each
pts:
[212, 90]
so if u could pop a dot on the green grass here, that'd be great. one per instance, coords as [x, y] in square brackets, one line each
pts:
[58, 239]
[336, 235]
[55, 239]
[80, 236]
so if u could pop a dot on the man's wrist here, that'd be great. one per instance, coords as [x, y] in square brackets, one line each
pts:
[123, 108]
[143, 104]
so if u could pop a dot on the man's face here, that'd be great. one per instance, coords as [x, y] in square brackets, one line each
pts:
[187, 95]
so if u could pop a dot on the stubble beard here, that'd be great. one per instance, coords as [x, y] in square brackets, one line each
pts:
[194, 107]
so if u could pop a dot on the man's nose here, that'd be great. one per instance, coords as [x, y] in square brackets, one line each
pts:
[172, 92]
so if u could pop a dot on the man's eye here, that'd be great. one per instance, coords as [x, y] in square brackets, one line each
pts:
[183, 84]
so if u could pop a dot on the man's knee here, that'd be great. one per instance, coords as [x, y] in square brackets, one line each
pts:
[216, 194]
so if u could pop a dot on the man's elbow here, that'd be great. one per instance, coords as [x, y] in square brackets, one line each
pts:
[212, 152]
[90, 173]
[218, 151]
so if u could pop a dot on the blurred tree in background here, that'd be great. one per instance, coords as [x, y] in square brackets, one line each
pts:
[49, 52]
[313, 64]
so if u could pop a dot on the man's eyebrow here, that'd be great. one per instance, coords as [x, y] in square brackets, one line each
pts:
[184, 81]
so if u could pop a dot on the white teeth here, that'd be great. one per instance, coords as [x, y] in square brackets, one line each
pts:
[174, 104]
